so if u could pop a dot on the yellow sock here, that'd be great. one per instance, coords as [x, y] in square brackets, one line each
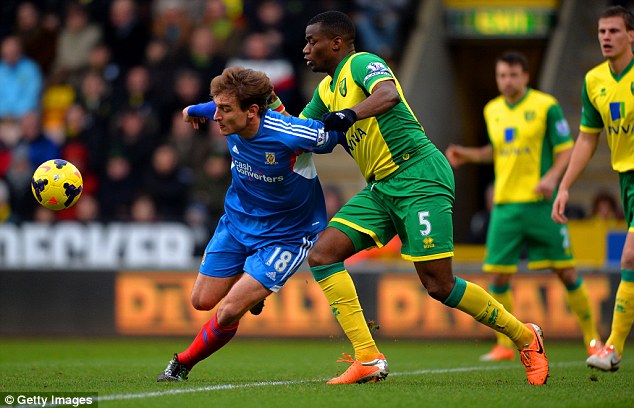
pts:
[504, 295]
[342, 297]
[579, 302]
[623, 314]
[474, 300]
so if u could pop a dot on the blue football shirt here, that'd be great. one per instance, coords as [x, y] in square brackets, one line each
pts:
[275, 192]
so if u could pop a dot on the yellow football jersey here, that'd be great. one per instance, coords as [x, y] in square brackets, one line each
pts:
[526, 137]
[381, 144]
[608, 103]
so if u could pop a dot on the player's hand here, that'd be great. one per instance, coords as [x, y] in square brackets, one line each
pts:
[339, 120]
[194, 120]
[559, 207]
[455, 155]
[546, 187]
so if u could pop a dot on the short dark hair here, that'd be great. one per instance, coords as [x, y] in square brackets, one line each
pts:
[620, 11]
[247, 85]
[514, 58]
[335, 23]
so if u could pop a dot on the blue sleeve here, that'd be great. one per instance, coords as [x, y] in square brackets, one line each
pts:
[334, 138]
[322, 141]
[203, 110]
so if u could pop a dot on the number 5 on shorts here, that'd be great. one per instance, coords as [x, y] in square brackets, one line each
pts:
[424, 222]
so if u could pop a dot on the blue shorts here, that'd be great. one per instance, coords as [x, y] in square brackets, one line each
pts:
[271, 264]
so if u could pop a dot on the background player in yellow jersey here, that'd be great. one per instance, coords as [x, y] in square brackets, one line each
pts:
[530, 146]
[608, 103]
[410, 192]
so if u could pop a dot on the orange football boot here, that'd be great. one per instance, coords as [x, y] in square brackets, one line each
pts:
[499, 353]
[534, 358]
[358, 372]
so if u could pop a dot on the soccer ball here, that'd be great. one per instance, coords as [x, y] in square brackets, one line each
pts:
[57, 184]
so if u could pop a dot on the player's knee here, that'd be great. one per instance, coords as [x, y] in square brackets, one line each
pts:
[500, 279]
[567, 276]
[437, 278]
[437, 290]
[439, 293]
[627, 263]
[200, 303]
[627, 258]
[316, 258]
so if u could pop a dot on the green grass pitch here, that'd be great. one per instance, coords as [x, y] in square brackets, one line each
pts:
[292, 373]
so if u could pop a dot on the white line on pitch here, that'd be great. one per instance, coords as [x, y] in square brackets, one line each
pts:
[119, 397]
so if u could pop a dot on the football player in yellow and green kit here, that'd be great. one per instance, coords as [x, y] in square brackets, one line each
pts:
[530, 146]
[410, 192]
[608, 103]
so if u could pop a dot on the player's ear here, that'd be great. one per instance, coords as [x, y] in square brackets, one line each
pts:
[337, 43]
[252, 111]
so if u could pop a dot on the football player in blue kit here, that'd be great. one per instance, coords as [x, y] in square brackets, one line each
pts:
[274, 208]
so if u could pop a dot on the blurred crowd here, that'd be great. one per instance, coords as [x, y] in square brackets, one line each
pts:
[102, 84]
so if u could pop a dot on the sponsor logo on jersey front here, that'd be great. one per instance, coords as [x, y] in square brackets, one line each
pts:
[247, 170]
[355, 137]
[617, 110]
[509, 134]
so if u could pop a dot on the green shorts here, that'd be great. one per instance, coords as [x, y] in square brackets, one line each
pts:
[626, 180]
[513, 225]
[416, 203]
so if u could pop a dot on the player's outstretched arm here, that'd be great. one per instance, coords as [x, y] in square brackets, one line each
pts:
[197, 114]
[383, 98]
[458, 155]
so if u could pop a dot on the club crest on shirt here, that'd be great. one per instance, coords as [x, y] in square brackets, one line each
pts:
[529, 116]
[270, 158]
[343, 88]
